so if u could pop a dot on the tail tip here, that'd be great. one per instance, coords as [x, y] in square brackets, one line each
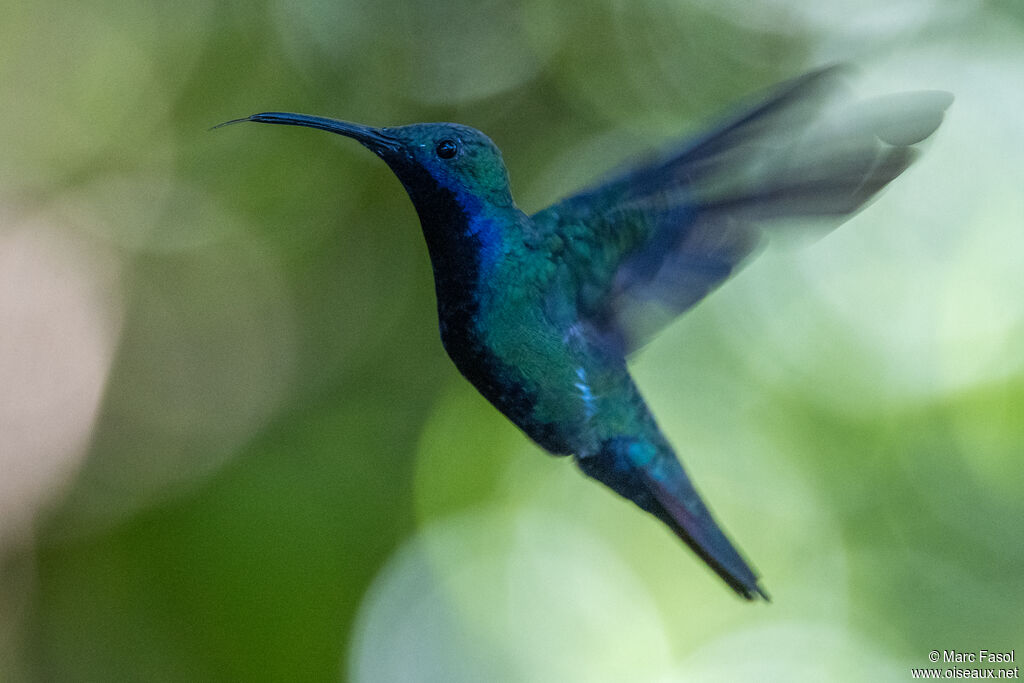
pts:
[753, 591]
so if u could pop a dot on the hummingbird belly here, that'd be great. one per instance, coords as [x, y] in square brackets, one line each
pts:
[547, 378]
[508, 385]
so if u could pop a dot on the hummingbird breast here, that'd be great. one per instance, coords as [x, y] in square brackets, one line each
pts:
[469, 342]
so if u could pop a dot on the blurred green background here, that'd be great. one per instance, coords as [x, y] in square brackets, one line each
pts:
[232, 448]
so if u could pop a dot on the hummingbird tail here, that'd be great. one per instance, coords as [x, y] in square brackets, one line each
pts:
[652, 478]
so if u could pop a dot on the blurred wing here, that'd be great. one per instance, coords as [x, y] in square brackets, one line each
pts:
[653, 240]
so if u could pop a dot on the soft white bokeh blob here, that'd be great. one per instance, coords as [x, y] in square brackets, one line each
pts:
[59, 325]
[792, 652]
[508, 595]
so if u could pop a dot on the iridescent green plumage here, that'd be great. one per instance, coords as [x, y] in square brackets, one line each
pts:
[540, 312]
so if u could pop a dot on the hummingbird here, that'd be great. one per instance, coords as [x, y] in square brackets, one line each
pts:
[540, 312]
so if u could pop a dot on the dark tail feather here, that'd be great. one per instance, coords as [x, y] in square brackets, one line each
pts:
[657, 483]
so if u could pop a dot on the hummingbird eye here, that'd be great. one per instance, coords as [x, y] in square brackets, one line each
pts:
[447, 148]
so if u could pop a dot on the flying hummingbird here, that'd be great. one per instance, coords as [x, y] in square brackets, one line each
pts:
[539, 312]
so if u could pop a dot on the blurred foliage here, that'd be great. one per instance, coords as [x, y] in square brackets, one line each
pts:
[232, 447]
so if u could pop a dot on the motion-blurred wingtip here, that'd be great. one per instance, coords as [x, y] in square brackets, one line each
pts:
[942, 99]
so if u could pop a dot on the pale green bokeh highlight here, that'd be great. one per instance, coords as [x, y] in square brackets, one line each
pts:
[233, 448]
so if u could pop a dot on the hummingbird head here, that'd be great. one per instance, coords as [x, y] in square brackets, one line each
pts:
[428, 158]
[456, 180]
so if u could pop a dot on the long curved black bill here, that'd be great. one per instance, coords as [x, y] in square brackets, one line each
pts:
[374, 138]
